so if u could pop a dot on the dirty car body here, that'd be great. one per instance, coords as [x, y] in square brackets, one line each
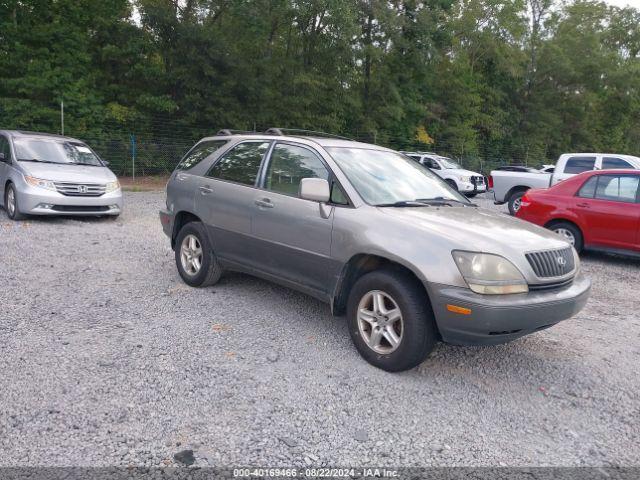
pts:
[323, 248]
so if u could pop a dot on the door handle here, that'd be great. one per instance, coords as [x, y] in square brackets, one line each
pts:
[264, 203]
[582, 205]
[206, 190]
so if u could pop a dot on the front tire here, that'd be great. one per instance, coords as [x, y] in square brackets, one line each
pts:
[390, 320]
[452, 184]
[197, 265]
[11, 203]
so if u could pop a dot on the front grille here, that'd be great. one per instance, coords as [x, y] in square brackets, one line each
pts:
[477, 180]
[80, 208]
[552, 263]
[81, 189]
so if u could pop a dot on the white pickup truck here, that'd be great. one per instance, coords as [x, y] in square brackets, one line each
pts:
[509, 187]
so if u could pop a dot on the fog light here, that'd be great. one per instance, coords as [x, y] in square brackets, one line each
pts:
[46, 206]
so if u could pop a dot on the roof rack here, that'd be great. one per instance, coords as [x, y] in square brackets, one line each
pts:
[302, 132]
[225, 132]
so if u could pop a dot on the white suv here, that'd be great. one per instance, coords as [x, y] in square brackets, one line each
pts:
[465, 181]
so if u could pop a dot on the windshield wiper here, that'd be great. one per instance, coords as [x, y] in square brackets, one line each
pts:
[38, 160]
[444, 201]
[403, 203]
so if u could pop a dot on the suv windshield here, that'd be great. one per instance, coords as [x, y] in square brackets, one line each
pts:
[55, 151]
[385, 178]
[448, 163]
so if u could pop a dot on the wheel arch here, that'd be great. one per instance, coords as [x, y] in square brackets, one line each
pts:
[182, 218]
[361, 264]
[517, 188]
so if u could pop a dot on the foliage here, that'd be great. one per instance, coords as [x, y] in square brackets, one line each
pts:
[483, 80]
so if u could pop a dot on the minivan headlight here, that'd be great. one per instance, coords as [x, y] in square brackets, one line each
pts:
[489, 274]
[112, 186]
[39, 182]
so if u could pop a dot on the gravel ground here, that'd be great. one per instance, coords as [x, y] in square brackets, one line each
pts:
[107, 358]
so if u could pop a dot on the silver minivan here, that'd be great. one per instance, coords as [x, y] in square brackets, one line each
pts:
[379, 237]
[45, 174]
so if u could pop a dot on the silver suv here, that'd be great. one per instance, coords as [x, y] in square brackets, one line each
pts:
[376, 235]
[47, 174]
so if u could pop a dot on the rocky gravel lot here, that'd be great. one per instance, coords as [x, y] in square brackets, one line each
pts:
[107, 358]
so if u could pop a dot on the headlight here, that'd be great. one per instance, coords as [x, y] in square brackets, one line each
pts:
[465, 179]
[489, 274]
[38, 182]
[112, 186]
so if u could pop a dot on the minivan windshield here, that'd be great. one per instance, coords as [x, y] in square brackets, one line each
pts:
[385, 178]
[447, 163]
[55, 151]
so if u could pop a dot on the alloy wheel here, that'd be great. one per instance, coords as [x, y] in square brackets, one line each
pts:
[191, 255]
[517, 204]
[380, 322]
[11, 201]
[566, 234]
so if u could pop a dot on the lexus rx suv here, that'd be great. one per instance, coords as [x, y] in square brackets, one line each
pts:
[46, 174]
[383, 240]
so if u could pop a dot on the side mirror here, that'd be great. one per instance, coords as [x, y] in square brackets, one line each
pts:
[106, 163]
[2, 159]
[315, 189]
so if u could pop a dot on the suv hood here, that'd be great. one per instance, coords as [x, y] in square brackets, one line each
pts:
[478, 229]
[68, 173]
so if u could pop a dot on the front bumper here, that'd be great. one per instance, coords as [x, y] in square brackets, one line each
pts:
[39, 201]
[471, 188]
[496, 319]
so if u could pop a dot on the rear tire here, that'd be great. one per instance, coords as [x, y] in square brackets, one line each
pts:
[11, 203]
[401, 344]
[514, 201]
[570, 232]
[196, 262]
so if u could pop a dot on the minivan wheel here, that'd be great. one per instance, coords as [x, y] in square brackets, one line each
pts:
[515, 201]
[390, 320]
[196, 262]
[11, 203]
[569, 232]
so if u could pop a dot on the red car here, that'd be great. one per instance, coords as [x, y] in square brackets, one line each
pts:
[596, 210]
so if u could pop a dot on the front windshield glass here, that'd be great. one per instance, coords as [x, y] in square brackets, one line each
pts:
[384, 177]
[448, 163]
[55, 151]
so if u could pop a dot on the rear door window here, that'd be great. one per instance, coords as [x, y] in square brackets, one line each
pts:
[199, 153]
[617, 188]
[240, 164]
[580, 164]
[614, 162]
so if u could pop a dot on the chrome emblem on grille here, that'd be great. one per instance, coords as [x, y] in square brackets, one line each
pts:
[82, 188]
[561, 261]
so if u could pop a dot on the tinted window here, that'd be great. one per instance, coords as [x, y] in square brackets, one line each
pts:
[289, 164]
[4, 148]
[613, 162]
[588, 190]
[199, 153]
[617, 188]
[241, 163]
[580, 164]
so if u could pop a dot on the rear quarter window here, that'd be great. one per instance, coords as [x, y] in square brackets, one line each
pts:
[199, 153]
